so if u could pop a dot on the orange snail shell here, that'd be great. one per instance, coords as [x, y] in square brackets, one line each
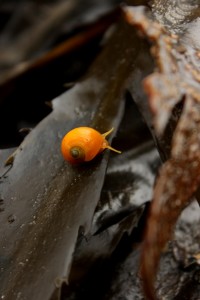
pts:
[83, 144]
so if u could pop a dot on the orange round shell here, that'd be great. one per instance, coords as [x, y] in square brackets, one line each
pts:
[87, 139]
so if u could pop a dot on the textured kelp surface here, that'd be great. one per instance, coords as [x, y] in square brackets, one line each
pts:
[175, 79]
[72, 232]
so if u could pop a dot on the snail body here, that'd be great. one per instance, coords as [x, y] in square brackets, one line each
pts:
[83, 144]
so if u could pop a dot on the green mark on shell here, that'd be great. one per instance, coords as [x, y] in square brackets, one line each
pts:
[77, 153]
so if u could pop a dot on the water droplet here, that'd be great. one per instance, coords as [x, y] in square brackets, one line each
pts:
[19, 295]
